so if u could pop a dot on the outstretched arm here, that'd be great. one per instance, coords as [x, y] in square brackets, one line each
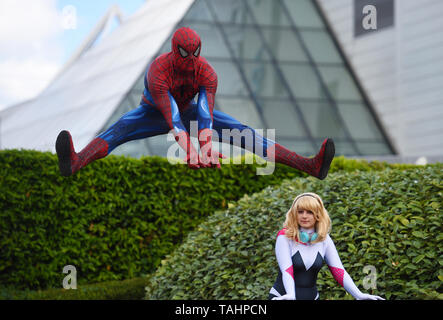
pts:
[283, 254]
[341, 275]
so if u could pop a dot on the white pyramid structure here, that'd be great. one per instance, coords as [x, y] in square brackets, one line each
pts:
[83, 97]
[278, 67]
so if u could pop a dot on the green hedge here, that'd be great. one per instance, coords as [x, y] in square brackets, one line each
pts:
[389, 219]
[131, 289]
[114, 219]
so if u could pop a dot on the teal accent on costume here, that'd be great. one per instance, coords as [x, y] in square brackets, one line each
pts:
[304, 237]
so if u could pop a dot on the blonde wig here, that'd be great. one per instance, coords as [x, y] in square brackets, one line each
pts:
[311, 202]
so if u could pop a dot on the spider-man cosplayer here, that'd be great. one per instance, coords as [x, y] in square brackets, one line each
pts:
[171, 83]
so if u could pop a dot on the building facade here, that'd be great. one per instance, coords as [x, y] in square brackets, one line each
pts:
[399, 65]
[278, 68]
[306, 68]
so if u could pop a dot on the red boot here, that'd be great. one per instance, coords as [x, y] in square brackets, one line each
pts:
[317, 166]
[69, 162]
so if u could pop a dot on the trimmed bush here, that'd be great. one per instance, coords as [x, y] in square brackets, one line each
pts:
[132, 289]
[389, 219]
[115, 219]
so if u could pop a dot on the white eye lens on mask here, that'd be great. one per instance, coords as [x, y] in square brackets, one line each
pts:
[197, 52]
[183, 52]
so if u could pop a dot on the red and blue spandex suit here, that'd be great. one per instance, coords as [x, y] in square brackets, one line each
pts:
[171, 84]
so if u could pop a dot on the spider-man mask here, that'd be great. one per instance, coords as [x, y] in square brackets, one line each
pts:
[186, 45]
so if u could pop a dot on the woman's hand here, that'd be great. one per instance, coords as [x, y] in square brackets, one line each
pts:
[365, 296]
[284, 297]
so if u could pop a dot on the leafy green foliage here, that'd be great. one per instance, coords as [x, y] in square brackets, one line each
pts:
[114, 219]
[132, 289]
[388, 219]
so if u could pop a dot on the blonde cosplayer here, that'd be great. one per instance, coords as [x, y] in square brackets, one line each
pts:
[311, 202]
[302, 247]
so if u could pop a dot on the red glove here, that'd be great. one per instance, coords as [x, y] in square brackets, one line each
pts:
[184, 141]
[209, 158]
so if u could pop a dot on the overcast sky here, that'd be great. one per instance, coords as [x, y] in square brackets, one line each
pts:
[38, 36]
